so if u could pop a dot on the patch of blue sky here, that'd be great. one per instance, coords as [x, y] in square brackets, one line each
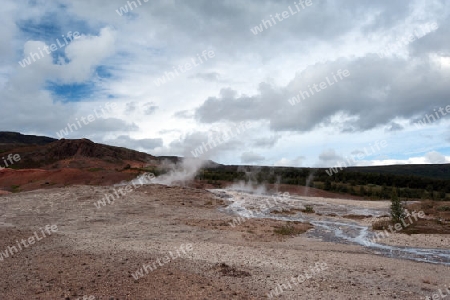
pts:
[131, 16]
[75, 92]
[51, 28]
[46, 30]
[156, 51]
[103, 71]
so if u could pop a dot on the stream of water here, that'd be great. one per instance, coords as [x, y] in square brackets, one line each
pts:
[328, 229]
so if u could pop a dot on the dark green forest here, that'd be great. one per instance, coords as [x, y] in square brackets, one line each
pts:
[374, 183]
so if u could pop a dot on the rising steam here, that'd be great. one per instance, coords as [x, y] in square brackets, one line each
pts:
[180, 173]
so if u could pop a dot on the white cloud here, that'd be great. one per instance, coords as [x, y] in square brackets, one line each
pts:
[250, 78]
[285, 162]
[86, 53]
[251, 158]
[436, 158]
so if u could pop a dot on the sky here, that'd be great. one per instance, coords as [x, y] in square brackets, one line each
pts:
[313, 83]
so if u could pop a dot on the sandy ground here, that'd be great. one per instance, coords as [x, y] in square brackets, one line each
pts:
[96, 251]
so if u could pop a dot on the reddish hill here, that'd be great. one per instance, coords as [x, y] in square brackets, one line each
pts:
[47, 163]
[62, 151]
[67, 162]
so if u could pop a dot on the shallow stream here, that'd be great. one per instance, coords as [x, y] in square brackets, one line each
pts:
[247, 204]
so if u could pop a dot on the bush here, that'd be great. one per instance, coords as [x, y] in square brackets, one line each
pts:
[291, 228]
[309, 209]
[15, 188]
[443, 208]
[397, 207]
[381, 225]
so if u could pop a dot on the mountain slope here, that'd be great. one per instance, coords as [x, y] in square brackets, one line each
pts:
[67, 162]
[8, 137]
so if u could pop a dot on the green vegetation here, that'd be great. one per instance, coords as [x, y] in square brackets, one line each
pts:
[351, 181]
[397, 208]
[441, 171]
[15, 188]
[443, 208]
[288, 229]
[152, 169]
[309, 209]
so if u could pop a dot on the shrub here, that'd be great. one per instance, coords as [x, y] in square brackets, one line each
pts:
[397, 207]
[309, 209]
[381, 224]
[288, 229]
[443, 208]
[15, 188]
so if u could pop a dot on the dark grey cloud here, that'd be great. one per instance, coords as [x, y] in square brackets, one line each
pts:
[376, 92]
[329, 158]
[436, 41]
[394, 127]
[195, 25]
[251, 77]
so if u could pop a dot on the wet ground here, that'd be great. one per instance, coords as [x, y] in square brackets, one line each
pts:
[334, 229]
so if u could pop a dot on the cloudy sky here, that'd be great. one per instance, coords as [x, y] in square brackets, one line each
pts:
[268, 82]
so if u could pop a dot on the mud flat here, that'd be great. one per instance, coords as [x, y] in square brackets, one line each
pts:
[97, 251]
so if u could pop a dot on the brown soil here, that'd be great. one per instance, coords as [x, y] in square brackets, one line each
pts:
[69, 162]
[33, 179]
[52, 270]
[96, 251]
[356, 217]
[261, 230]
[428, 227]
